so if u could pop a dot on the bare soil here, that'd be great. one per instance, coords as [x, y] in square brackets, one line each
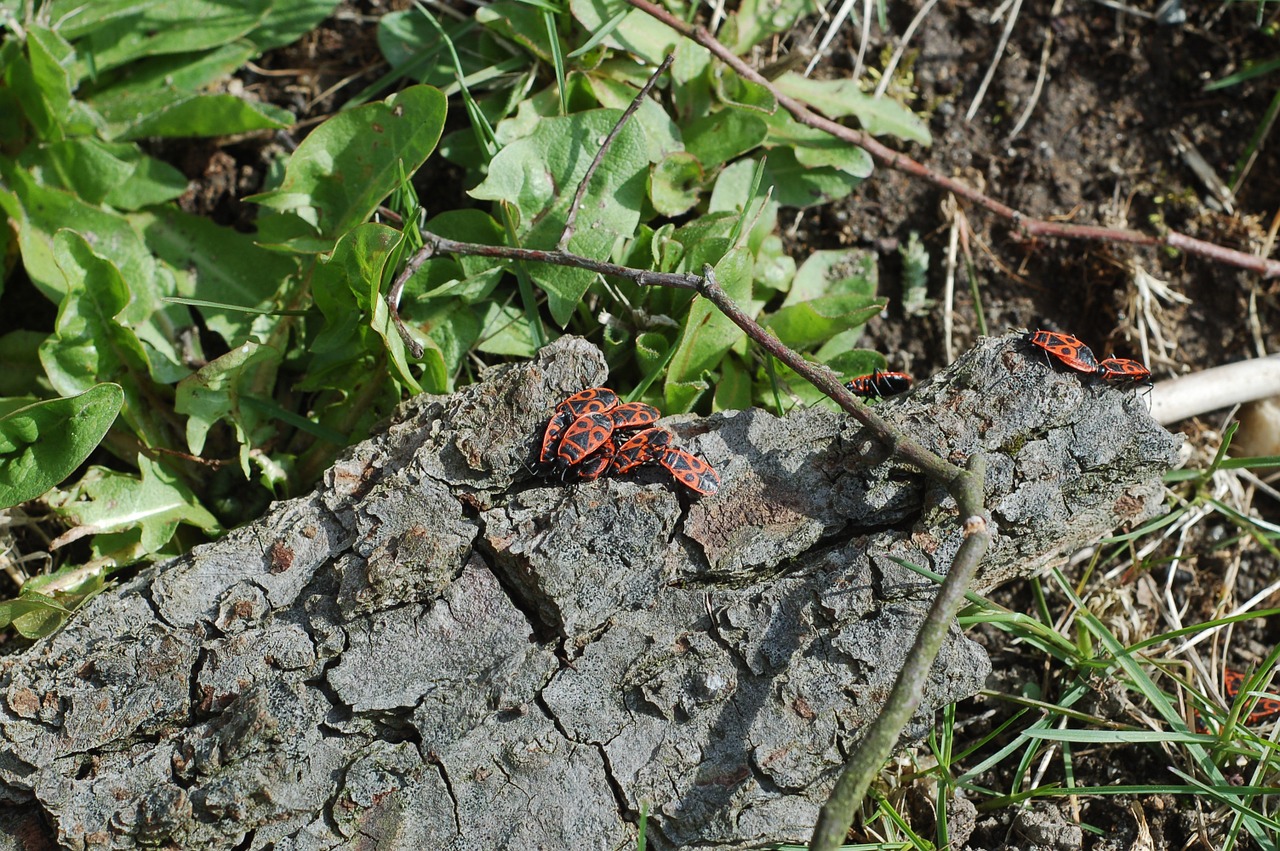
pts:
[1098, 147]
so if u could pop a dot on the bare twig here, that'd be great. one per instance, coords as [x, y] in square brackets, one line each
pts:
[837, 813]
[572, 218]
[889, 158]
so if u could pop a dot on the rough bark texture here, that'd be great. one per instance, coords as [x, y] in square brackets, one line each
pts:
[436, 650]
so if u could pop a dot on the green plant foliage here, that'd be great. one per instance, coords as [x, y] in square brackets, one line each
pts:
[231, 355]
[43, 443]
[128, 515]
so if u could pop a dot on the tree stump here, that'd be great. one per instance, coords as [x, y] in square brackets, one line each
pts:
[435, 649]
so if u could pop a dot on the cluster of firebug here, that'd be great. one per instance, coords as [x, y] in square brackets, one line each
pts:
[878, 385]
[586, 438]
[1073, 354]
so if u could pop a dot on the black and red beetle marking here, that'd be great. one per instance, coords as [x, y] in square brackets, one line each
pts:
[634, 415]
[597, 463]
[1067, 349]
[593, 400]
[584, 435]
[642, 448]
[1266, 709]
[1124, 370]
[878, 385]
[690, 470]
[551, 437]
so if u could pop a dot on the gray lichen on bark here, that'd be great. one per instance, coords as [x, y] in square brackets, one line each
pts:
[437, 650]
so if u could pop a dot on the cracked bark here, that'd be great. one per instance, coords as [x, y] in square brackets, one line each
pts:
[434, 650]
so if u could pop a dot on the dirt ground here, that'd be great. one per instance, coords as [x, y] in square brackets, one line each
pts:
[1098, 148]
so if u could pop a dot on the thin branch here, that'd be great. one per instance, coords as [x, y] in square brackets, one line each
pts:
[889, 158]
[571, 219]
[908, 691]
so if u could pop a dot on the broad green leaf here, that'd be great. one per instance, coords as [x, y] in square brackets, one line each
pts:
[89, 344]
[77, 18]
[106, 501]
[539, 175]
[837, 98]
[847, 271]
[40, 212]
[177, 26]
[775, 269]
[852, 363]
[674, 184]
[744, 93]
[809, 323]
[505, 331]
[347, 290]
[733, 389]
[813, 148]
[205, 115]
[796, 185]
[652, 350]
[214, 393]
[33, 615]
[153, 85]
[46, 92]
[20, 370]
[638, 34]
[724, 135]
[680, 396]
[660, 132]
[708, 334]
[346, 166]
[756, 20]
[289, 20]
[96, 170]
[42, 444]
[217, 264]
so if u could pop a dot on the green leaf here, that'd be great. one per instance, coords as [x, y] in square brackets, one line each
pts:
[880, 116]
[106, 501]
[809, 323]
[733, 389]
[637, 33]
[724, 135]
[339, 174]
[42, 444]
[756, 20]
[154, 85]
[96, 170]
[288, 20]
[20, 371]
[176, 26]
[847, 271]
[218, 264]
[205, 115]
[505, 331]
[90, 345]
[708, 334]
[674, 184]
[797, 185]
[40, 212]
[539, 175]
[348, 292]
[33, 615]
[214, 393]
